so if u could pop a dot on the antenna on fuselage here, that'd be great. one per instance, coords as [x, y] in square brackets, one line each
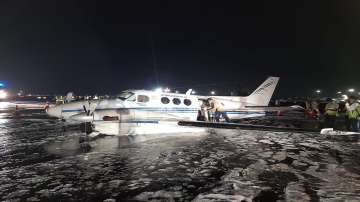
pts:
[188, 92]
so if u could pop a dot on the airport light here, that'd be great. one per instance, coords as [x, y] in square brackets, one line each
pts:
[318, 91]
[351, 90]
[3, 94]
[212, 92]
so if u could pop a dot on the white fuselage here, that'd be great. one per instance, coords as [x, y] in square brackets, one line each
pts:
[142, 107]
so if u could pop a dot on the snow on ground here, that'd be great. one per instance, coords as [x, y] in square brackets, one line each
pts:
[40, 160]
[291, 166]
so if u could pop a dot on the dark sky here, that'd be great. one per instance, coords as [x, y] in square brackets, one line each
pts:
[105, 47]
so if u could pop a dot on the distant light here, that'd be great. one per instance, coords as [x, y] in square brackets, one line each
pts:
[345, 97]
[339, 92]
[176, 91]
[3, 94]
[212, 92]
[318, 91]
[193, 92]
[2, 84]
[351, 90]
[167, 90]
[159, 90]
[39, 97]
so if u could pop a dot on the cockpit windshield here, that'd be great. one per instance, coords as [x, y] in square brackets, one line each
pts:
[125, 95]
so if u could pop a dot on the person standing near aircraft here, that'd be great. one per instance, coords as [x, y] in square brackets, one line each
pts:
[331, 112]
[218, 108]
[204, 110]
[315, 109]
[352, 114]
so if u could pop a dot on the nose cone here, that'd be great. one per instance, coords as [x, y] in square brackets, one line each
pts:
[54, 111]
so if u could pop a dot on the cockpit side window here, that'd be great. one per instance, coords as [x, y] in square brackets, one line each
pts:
[143, 98]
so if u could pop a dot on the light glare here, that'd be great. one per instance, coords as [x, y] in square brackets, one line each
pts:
[3, 94]
[159, 90]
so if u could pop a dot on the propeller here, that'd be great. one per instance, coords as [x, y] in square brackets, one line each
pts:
[86, 111]
[89, 112]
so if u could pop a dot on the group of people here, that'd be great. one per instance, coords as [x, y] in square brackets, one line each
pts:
[352, 114]
[213, 110]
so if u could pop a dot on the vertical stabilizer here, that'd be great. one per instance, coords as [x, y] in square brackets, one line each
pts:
[262, 95]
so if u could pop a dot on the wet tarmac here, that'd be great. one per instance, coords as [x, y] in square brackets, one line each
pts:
[40, 160]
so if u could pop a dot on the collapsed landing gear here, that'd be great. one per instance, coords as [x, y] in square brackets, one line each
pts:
[85, 139]
[86, 127]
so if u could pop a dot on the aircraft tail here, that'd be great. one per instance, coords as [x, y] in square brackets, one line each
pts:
[262, 95]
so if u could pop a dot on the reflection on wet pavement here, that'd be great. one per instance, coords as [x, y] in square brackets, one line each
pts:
[41, 160]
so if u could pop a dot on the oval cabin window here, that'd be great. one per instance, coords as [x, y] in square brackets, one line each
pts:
[165, 100]
[176, 101]
[187, 102]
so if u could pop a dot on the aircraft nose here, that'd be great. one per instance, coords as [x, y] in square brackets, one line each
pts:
[54, 111]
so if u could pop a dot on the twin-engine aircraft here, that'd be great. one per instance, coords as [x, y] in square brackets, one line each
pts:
[143, 111]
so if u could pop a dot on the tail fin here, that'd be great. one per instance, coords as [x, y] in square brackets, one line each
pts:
[262, 95]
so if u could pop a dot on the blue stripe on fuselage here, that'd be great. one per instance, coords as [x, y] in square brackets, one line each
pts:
[173, 110]
[72, 110]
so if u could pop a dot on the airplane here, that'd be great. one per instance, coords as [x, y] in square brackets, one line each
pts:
[145, 111]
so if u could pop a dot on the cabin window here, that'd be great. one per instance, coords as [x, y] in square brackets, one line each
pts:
[143, 98]
[176, 101]
[165, 100]
[187, 102]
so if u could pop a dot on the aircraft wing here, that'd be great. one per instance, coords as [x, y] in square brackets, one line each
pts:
[243, 126]
[24, 105]
[275, 109]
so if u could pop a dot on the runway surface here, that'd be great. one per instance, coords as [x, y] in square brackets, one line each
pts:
[40, 160]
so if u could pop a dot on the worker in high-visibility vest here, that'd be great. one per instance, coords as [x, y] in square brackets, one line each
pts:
[352, 114]
[331, 112]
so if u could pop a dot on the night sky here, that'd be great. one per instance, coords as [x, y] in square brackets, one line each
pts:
[105, 47]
